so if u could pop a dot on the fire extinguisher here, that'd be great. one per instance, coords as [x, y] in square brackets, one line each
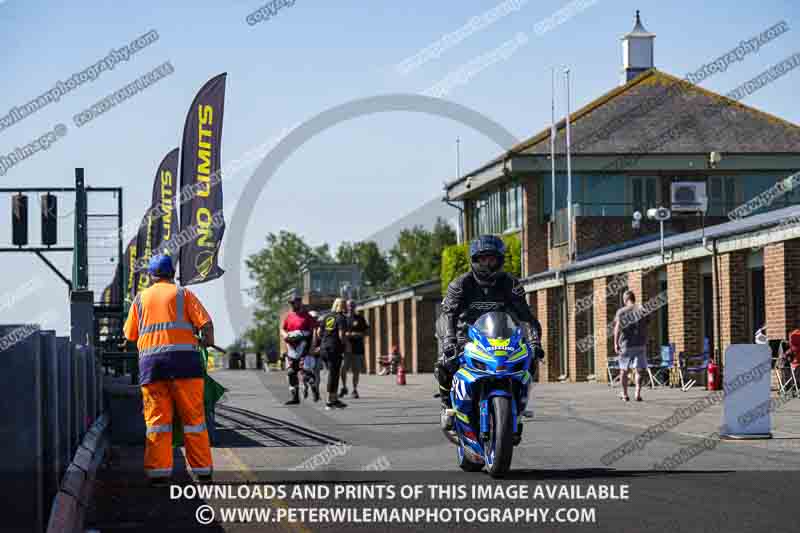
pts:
[401, 373]
[713, 376]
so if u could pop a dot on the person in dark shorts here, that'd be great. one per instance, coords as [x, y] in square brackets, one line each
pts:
[332, 329]
[630, 341]
[357, 329]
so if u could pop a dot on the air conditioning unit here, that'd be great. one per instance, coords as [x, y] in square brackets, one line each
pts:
[689, 197]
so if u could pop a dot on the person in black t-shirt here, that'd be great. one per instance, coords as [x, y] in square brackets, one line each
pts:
[357, 328]
[332, 329]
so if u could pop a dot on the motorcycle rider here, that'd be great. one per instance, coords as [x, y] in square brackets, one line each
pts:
[297, 331]
[484, 289]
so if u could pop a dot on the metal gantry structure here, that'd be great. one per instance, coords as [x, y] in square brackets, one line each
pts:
[107, 317]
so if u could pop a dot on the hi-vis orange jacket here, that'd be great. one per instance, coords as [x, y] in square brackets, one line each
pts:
[160, 321]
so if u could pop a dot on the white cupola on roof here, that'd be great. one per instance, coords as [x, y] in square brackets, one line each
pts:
[637, 51]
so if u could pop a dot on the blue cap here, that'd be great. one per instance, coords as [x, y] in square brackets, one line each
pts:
[161, 266]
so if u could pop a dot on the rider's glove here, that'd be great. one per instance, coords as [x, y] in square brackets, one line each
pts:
[449, 347]
[450, 354]
[536, 351]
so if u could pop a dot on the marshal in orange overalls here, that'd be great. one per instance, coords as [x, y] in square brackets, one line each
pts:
[161, 320]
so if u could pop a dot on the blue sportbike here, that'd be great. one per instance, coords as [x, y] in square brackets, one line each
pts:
[489, 392]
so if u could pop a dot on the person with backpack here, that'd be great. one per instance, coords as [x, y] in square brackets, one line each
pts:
[630, 341]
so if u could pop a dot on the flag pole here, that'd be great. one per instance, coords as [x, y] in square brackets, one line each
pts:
[553, 142]
[569, 174]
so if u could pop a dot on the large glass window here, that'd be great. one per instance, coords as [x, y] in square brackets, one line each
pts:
[603, 196]
[498, 210]
[722, 195]
[752, 185]
[595, 194]
[642, 194]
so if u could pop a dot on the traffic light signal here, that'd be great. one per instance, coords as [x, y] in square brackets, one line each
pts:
[19, 219]
[49, 219]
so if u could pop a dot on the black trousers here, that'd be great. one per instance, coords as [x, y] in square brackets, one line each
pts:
[293, 366]
[333, 356]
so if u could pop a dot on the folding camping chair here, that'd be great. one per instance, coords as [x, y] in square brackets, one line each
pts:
[785, 384]
[694, 364]
[613, 364]
[659, 372]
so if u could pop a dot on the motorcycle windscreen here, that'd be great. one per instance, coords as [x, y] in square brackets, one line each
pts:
[496, 325]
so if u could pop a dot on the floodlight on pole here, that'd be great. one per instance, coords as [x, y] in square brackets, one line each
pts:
[661, 214]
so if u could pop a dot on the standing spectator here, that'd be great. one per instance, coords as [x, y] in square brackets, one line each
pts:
[357, 328]
[630, 339]
[315, 351]
[332, 329]
[297, 331]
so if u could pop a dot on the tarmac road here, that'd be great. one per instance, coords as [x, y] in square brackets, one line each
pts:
[390, 437]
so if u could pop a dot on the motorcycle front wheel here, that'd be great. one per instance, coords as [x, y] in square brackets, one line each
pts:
[499, 447]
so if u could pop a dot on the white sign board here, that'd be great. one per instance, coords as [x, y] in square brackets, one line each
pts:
[747, 390]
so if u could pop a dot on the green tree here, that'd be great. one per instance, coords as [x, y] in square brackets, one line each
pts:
[417, 256]
[375, 269]
[455, 260]
[276, 270]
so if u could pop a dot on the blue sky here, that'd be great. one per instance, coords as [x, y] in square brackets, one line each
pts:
[361, 175]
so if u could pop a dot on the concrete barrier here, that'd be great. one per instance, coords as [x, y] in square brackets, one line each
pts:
[65, 401]
[50, 421]
[81, 411]
[67, 512]
[91, 387]
[21, 439]
[125, 408]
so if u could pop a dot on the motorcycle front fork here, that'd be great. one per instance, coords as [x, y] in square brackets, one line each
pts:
[483, 435]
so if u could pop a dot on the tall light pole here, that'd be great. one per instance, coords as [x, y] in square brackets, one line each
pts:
[458, 158]
[462, 224]
[569, 175]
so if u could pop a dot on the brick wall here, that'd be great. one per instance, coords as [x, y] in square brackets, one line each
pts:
[392, 327]
[370, 340]
[685, 313]
[645, 287]
[782, 287]
[578, 328]
[381, 330]
[593, 232]
[404, 334]
[424, 333]
[557, 256]
[606, 303]
[534, 235]
[733, 302]
[547, 313]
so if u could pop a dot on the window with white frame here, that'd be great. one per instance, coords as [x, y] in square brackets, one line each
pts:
[498, 210]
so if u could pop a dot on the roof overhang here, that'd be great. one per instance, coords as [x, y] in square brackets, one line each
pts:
[420, 291]
[521, 164]
[644, 260]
